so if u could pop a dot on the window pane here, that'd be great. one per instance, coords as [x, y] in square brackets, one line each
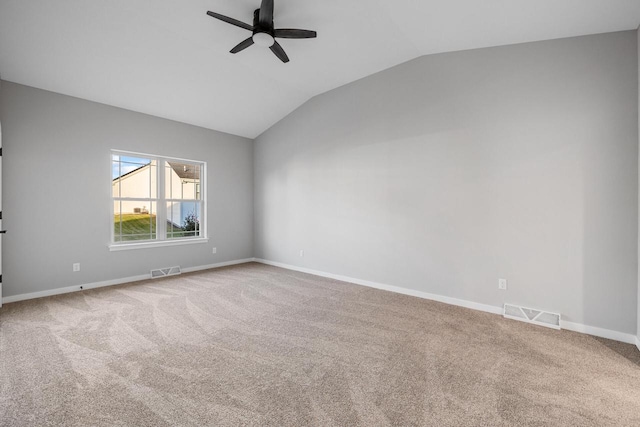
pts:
[133, 220]
[182, 181]
[183, 219]
[133, 177]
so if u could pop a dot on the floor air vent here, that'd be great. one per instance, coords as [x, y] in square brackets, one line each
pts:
[530, 315]
[164, 272]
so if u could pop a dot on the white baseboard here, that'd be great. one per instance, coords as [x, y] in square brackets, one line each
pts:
[638, 341]
[571, 326]
[598, 332]
[94, 285]
[434, 297]
[218, 265]
[76, 288]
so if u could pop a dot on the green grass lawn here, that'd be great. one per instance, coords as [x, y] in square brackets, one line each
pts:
[142, 227]
[135, 227]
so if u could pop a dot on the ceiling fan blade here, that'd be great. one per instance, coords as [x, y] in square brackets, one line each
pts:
[266, 14]
[279, 52]
[291, 33]
[231, 21]
[242, 45]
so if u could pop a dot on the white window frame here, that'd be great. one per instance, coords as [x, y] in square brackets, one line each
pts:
[161, 208]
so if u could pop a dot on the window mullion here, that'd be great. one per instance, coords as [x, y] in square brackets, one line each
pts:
[161, 206]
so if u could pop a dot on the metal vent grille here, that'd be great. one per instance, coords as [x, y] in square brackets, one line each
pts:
[531, 315]
[164, 272]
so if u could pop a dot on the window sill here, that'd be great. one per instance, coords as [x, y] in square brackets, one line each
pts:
[158, 244]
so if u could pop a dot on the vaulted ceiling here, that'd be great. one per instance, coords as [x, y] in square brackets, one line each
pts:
[169, 59]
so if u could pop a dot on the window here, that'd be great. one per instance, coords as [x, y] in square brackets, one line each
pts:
[156, 200]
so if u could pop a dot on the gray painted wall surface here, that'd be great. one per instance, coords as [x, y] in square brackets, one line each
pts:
[56, 178]
[450, 171]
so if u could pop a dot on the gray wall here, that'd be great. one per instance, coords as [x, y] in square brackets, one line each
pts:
[56, 179]
[450, 171]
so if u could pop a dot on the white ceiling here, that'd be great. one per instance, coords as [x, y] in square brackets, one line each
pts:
[169, 59]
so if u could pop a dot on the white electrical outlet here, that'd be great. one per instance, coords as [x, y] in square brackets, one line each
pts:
[502, 284]
[215, 250]
[76, 267]
[301, 252]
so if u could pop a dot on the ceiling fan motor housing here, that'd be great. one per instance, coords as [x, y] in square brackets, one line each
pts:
[257, 28]
[262, 36]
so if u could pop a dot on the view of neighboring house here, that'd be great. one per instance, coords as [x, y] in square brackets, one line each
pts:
[182, 187]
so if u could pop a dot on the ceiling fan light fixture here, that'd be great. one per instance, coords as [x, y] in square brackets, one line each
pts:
[263, 39]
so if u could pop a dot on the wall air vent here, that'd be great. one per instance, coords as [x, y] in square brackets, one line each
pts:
[530, 315]
[164, 272]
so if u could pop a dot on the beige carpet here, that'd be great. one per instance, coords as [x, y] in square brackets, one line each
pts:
[258, 345]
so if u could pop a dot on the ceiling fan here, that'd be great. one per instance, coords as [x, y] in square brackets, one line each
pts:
[263, 32]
